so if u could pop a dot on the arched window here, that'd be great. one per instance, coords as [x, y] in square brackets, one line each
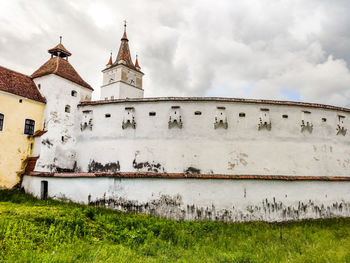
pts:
[74, 93]
[67, 109]
[1, 121]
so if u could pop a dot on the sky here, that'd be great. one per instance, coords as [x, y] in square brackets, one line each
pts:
[263, 49]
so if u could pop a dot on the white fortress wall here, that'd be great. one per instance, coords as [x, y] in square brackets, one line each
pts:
[197, 146]
[204, 199]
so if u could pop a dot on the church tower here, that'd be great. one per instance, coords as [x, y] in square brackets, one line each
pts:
[122, 79]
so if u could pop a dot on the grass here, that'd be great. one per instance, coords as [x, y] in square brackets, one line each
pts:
[33, 230]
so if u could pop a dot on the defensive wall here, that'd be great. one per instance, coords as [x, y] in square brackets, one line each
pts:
[206, 159]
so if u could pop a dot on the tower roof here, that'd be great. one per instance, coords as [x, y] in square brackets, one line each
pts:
[110, 61]
[62, 68]
[19, 84]
[124, 51]
[137, 63]
[59, 50]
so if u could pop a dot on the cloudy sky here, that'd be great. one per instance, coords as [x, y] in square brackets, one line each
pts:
[273, 49]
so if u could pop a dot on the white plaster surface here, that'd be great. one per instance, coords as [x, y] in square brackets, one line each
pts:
[53, 151]
[205, 199]
[240, 149]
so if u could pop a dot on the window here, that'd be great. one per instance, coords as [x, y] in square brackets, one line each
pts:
[242, 114]
[1, 121]
[39, 86]
[285, 116]
[74, 93]
[197, 113]
[29, 127]
[152, 113]
[324, 119]
[20, 100]
[107, 115]
[67, 109]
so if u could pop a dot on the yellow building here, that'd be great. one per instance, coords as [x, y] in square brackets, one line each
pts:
[21, 113]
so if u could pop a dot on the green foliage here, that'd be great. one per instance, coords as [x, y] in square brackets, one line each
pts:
[33, 230]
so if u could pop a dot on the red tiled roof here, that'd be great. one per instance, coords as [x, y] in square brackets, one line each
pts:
[19, 84]
[62, 68]
[59, 48]
[110, 61]
[39, 133]
[137, 63]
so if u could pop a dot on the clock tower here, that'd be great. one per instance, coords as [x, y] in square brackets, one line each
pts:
[122, 78]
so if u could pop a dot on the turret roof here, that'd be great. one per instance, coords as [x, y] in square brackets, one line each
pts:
[62, 68]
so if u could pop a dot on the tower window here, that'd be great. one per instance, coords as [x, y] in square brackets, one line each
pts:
[67, 109]
[197, 113]
[285, 116]
[1, 121]
[29, 127]
[74, 93]
[152, 113]
[107, 115]
[242, 115]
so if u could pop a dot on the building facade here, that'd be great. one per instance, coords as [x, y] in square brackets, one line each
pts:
[21, 113]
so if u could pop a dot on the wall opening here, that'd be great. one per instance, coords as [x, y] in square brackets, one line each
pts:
[285, 116]
[44, 189]
[107, 115]
[74, 93]
[20, 100]
[324, 120]
[242, 115]
[67, 109]
[152, 113]
[197, 113]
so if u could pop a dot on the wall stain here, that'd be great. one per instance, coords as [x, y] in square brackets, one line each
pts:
[147, 166]
[99, 167]
[172, 207]
[47, 142]
[192, 170]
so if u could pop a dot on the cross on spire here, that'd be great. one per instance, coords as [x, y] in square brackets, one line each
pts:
[125, 25]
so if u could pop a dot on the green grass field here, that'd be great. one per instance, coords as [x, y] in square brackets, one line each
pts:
[33, 230]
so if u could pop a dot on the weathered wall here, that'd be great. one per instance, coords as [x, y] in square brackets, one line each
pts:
[57, 146]
[205, 199]
[198, 146]
[15, 145]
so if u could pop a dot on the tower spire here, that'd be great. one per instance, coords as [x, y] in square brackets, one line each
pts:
[110, 62]
[124, 35]
[124, 56]
[137, 66]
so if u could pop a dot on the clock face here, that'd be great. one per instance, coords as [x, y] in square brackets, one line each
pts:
[131, 78]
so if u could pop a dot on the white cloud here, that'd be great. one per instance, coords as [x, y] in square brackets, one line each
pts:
[253, 48]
